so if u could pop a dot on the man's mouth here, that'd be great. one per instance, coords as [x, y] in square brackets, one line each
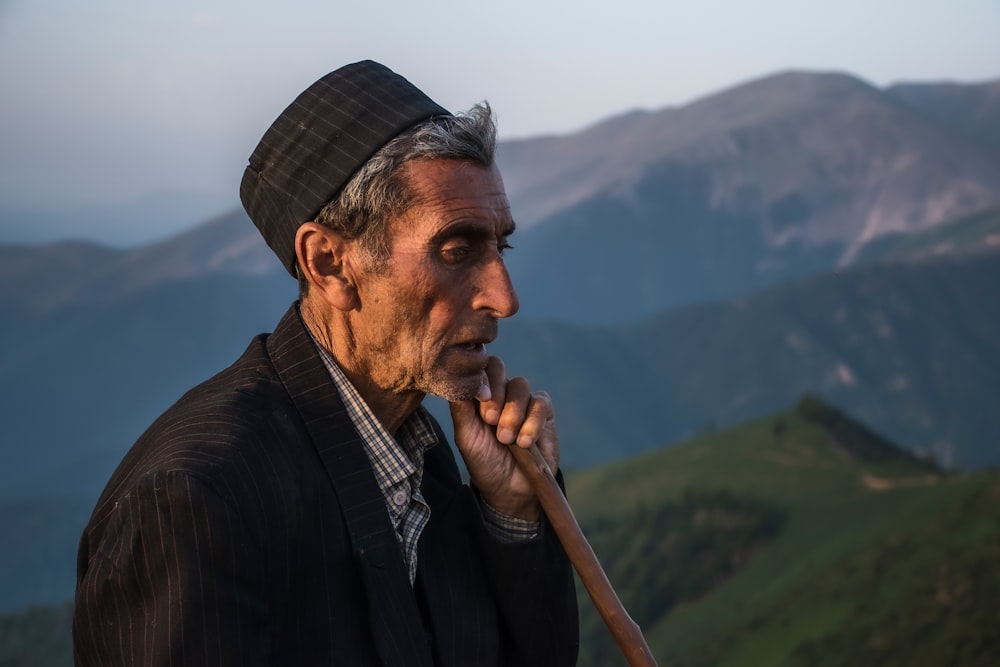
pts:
[474, 340]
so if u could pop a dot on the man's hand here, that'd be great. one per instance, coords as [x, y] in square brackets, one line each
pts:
[505, 414]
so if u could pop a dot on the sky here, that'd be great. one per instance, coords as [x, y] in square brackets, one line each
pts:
[107, 103]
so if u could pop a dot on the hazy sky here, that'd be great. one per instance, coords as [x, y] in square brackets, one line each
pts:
[106, 101]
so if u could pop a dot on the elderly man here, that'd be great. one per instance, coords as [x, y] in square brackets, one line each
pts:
[302, 507]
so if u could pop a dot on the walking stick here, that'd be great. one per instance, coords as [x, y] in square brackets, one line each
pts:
[624, 630]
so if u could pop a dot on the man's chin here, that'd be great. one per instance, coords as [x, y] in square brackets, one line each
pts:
[457, 389]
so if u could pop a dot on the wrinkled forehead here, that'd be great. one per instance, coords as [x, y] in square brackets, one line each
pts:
[447, 194]
[445, 183]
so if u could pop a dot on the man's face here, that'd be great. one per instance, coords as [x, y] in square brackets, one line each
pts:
[425, 319]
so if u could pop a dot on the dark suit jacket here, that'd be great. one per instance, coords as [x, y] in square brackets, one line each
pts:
[245, 527]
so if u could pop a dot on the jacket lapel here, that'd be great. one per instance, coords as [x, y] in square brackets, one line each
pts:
[395, 618]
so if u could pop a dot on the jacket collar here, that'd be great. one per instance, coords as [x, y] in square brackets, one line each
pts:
[392, 607]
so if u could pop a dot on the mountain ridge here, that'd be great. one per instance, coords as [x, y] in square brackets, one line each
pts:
[869, 339]
[569, 269]
[781, 177]
[641, 140]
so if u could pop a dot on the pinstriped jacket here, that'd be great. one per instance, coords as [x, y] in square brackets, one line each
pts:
[245, 527]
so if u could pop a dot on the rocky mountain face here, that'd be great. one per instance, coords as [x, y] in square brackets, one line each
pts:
[811, 153]
[782, 177]
[972, 109]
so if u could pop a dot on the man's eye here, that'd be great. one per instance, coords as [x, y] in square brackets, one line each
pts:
[460, 252]
[456, 254]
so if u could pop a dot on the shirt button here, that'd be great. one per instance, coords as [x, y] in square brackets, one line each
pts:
[400, 498]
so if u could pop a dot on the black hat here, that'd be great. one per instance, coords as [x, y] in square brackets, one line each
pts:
[317, 144]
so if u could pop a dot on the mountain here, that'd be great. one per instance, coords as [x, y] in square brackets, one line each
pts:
[181, 309]
[88, 361]
[970, 108]
[782, 177]
[908, 346]
[974, 233]
[77, 273]
[801, 538]
[779, 178]
[835, 139]
[96, 341]
[86, 380]
[120, 224]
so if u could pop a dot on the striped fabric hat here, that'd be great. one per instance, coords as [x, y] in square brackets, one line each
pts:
[317, 144]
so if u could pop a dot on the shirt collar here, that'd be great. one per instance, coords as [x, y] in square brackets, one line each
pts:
[394, 460]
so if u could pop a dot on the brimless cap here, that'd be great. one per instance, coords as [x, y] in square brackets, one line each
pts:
[318, 143]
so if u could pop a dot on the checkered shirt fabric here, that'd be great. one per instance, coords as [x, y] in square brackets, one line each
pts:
[398, 464]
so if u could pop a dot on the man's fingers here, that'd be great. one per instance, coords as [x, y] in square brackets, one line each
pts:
[515, 410]
[525, 415]
[539, 416]
[496, 380]
[518, 414]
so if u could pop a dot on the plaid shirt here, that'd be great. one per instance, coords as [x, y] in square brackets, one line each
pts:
[398, 464]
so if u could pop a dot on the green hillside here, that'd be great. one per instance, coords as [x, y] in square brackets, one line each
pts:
[800, 539]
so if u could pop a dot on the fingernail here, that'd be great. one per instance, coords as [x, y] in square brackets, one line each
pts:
[484, 393]
[524, 441]
[492, 416]
[505, 435]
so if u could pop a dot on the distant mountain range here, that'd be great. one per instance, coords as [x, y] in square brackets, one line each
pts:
[782, 177]
[679, 272]
[912, 348]
[779, 178]
[121, 224]
[88, 359]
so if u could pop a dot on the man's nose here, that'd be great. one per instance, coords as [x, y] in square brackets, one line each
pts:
[496, 291]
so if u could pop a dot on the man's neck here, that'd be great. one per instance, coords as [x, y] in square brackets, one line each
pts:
[391, 408]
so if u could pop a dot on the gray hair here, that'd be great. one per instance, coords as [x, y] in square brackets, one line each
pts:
[379, 191]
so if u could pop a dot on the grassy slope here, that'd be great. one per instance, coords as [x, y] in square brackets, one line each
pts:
[847, 559]
[924, 593]
[870, 563]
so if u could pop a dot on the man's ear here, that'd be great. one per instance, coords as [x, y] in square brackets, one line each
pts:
[325, 261]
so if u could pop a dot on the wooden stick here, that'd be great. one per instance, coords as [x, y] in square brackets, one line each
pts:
[625, 631]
